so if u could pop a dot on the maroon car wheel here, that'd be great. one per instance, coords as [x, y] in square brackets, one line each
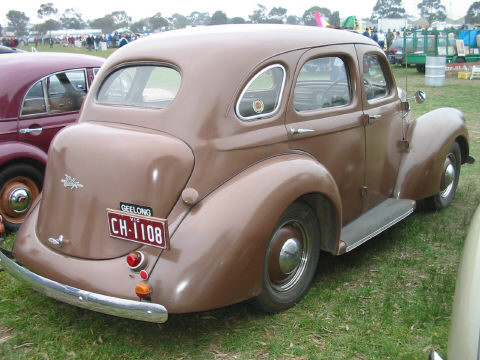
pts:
[291, 259]
[20, 185]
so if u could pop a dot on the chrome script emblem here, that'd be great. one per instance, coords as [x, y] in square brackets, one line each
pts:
[70, 182]
[57, 242]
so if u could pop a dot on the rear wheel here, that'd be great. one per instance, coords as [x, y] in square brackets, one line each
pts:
[449, 180]
[290, 260]
[20, 185]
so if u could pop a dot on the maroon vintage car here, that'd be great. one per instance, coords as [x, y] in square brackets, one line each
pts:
[212, 165]
[40, 94]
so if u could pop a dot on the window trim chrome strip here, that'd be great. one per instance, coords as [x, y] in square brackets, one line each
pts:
[280, 97]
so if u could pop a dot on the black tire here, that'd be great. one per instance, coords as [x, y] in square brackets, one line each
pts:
[286, 282]
[449, 180]
[420, 68]
[12, 177]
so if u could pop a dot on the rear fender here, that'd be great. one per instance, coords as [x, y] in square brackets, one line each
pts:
[216, 254]
[430, 138]
[16, 150]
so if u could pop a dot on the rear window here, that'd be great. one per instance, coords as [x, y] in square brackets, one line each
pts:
[152, 86]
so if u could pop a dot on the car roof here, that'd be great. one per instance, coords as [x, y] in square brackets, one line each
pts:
[21, 70]
[251, 43]
[29, 65]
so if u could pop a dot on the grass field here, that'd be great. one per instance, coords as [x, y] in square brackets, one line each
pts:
[388, 299]
[61, 48]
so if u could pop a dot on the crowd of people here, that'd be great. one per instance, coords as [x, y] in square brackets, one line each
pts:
[111, 40]
[91, 42]
[384, 40]
[10, 42]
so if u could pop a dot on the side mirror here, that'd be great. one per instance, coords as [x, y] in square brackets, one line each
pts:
[420, 96]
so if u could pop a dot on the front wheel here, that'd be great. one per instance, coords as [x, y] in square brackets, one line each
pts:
[449, 180]
[290, 260]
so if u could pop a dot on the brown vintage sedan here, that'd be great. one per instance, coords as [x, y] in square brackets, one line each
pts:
[212, 165]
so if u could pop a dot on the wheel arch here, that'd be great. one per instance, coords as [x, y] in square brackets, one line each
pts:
[327, 218]
[222, 241]
[39, 165]
[13, 152]
[464, 147]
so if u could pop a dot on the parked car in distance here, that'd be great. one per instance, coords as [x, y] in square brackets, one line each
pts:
[192, 183]
[396, 50]
[8, 50]
[40, 94]
[464, 335]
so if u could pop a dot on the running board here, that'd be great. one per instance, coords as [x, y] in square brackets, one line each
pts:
[374, 221]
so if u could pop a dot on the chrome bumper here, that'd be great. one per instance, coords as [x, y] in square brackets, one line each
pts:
[131, 309]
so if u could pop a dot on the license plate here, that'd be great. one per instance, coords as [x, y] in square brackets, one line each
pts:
[141, 229]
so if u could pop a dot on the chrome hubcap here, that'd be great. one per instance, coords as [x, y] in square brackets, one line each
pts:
[448, 178]
[20, 200]
[287, 256]
[290, 255]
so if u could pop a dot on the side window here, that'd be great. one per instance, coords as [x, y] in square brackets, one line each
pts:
[34, 102]
[263, 94]
[322, 83]
[66, 91]
[374, 79]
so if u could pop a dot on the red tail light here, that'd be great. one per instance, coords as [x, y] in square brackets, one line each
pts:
[136, 260]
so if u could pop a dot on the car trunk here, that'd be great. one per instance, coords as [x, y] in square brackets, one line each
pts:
[93, 167]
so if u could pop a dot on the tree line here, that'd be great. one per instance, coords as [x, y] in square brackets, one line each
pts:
[431, 10]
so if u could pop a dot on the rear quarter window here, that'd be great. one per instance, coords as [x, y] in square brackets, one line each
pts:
[263, 94]
[151, 86]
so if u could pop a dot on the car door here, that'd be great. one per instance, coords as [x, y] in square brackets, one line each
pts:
[383, 125]
[50, 104]
[325, 118]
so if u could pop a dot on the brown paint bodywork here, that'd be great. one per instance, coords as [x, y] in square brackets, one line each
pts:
[242, 174]
[430, 138]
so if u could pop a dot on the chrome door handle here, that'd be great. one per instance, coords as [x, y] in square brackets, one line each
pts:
[374, 117]
[33, 131]
[299, 131]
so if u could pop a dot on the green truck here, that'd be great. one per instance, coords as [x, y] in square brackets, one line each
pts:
[419, 44]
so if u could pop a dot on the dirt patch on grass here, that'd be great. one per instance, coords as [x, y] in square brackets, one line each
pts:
[5, 335]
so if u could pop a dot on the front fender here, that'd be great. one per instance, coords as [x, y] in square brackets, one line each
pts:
[430, 138]
[216, 255]
[12, 150]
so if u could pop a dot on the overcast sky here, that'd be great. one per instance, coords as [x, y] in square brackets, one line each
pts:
[92, 9]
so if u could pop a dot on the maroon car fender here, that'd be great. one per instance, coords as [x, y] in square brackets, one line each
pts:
[216, 254]
[11, 150]
[422, 164]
